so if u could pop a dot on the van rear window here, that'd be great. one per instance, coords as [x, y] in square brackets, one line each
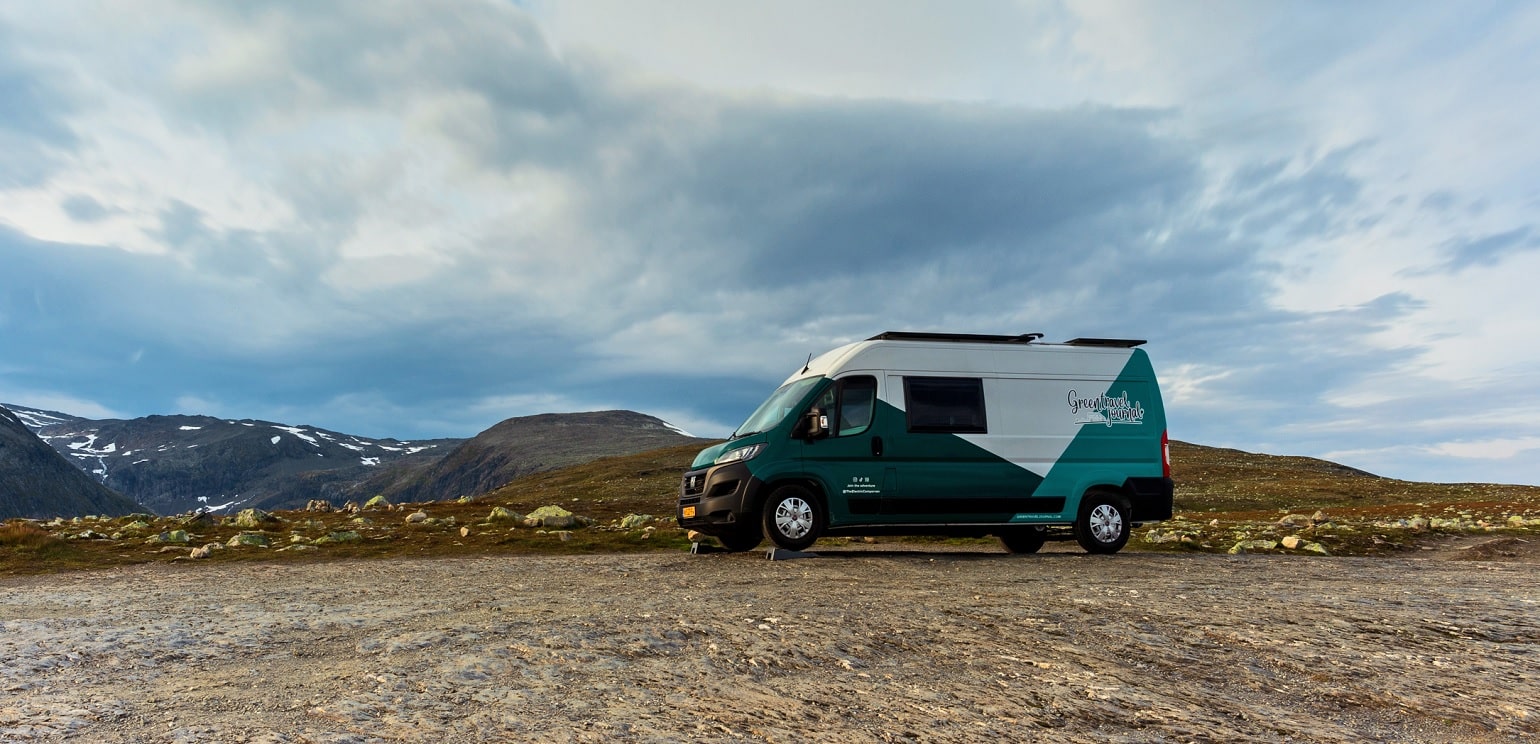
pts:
[945, 404]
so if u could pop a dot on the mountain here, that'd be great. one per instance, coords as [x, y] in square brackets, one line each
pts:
[532, 444]
[174, 464]
[37, 482]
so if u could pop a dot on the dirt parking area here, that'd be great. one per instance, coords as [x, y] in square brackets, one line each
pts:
[862, 644]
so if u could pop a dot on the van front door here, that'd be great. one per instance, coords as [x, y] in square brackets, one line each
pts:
[848, 461]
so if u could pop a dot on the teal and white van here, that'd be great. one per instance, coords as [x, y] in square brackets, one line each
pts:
[945, 434]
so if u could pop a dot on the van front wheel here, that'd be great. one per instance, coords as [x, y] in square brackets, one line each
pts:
[793, 518]
[1103, 525]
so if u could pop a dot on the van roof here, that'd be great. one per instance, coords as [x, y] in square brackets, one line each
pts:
[981, 338]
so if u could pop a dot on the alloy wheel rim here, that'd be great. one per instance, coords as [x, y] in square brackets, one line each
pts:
[1106, 523]
[793, 517]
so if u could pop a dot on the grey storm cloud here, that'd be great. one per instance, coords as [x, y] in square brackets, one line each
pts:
[33, 131]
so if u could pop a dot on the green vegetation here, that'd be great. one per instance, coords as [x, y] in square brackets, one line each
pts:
[1225, 498]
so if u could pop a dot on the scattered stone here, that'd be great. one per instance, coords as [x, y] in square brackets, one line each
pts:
[198, 519]
[171, 536]
[635, 521]
[318, 505]
[1246, 546]
[1294, 520]
[340, 536]
[200, 552]
[694, 536]
[465, 532]
[248, 539]
[91, 535]
[378, 502]
[351, 507]
[1292, 542]
[136, 526]
[1317, 548]
[564, 535]
[297, 548]
[553, 516]
[253, 518]
[1319, 517]
[417, 517]
[504, 514]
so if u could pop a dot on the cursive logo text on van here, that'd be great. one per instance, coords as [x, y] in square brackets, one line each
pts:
[1104, 409]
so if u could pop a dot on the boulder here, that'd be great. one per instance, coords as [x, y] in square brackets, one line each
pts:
[1292, 542]
[635, 521]
[253, 518]
[248, 539]
[318, 505]
[340, 536]
[1317, 548]
[1246, 546]
[378, 502]
[417, 517]
[504, 514]
[200, 552]
[198, 519]
[172, 536]
[553, 516]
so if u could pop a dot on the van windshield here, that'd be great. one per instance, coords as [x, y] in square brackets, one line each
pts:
[775, 408]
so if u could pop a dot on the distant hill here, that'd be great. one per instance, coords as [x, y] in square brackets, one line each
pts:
[174, 464]
[533, 444]
[37, 482]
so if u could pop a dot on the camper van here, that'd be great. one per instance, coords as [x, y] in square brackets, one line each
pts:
[945, 434]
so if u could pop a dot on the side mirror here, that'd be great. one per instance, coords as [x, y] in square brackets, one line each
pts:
[817, 424]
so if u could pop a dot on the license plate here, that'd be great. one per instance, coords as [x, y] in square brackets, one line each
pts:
[689, 512]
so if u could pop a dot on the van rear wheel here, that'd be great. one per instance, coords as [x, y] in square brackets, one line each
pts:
[744, 539]
[793, 517]
[1103, 525]
[1024, 539]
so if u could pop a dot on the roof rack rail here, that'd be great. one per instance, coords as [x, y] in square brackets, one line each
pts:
[1121, 343]
[975, 338]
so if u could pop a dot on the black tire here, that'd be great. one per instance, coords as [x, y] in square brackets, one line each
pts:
[793, 517]
[1104, 523]
[745, 539]
[1024, 539]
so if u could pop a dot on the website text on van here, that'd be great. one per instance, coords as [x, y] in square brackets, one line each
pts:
[945, 434]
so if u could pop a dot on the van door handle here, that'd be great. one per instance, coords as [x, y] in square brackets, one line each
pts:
[876, 446]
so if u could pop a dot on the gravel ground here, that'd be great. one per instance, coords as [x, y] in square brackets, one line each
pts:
[864, 643]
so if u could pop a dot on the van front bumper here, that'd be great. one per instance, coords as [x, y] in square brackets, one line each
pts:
[718, 499]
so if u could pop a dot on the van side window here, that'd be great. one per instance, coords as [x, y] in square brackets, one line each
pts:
[945, 404]
[858, 398]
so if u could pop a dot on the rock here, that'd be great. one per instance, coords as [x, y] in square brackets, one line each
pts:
[1418, 523]
[694, 536]
[1317, 548]
[201, 552]
[298, 548]
[504, 514]
[340, 536]
[564, 535]
[136, 525]
[378, 502]
[417, 517]
[93, 535]
[171, 536]
[530, 522]
[1213, 523]
[1318, 517]
[1294, 520]
[553, 516]
[351, 507]
[1246, 546]
[1292, 542]
[198, 519]
[248, 539]
[635, 521]
[253, 518]
[318, 505]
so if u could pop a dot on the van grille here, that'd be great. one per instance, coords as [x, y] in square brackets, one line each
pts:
[694, 484]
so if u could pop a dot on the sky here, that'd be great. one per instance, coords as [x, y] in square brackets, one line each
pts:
[417, 218]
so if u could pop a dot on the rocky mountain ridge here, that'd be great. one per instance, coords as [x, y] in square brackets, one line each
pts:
[176, 464]
[36, 481]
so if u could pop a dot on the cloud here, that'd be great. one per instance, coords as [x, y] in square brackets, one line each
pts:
[431, 216]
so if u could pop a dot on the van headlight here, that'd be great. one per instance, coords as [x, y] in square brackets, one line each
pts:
[739, 455]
